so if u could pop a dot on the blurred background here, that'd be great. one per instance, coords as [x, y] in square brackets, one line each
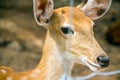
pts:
[21, 39]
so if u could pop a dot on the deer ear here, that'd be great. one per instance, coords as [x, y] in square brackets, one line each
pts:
[95, 9]
[43, 10]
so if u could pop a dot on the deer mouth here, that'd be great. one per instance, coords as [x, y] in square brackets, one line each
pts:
[93, 66]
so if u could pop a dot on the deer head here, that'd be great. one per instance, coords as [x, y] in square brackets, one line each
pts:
[74, 38]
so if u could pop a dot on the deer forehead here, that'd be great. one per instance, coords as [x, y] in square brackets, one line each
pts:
[78, 21]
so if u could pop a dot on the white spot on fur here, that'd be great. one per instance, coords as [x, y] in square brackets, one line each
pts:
[9, 78]
[24, 78]
[3, 71]
[66, 77]
[35, 73]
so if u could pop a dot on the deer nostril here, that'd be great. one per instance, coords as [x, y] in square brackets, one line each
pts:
[103, 61]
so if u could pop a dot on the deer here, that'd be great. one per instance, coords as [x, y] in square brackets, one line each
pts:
[68, 41]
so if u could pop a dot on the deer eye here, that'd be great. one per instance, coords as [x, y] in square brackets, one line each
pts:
[67, 30]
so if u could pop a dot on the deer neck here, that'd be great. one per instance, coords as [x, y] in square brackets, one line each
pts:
[53, 65]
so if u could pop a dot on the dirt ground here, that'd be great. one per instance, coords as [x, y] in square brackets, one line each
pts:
[21, 39]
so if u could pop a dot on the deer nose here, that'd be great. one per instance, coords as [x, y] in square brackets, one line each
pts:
[103, 61]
